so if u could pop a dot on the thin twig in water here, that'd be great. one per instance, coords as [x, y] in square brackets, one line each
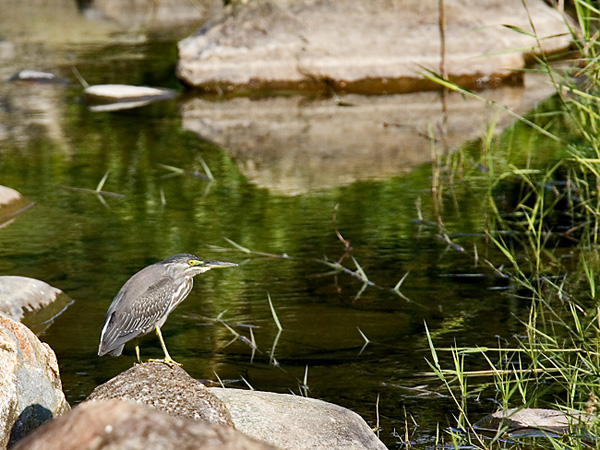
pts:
[498, 270]
[304, 387]
[445, 238]
[102, 181]
[180, 171]
[377, 415]
[345, 242]
[360, 271]
[336, 266]
[339, 268]
[360, 292]
[248, 251]
[418, 206]
[237, 335]
[277, 322]
[79, 77]
[219, 378]
[163, 200]
[98, 191]
[406, 435]
[272, 359]
[253, 345]
[238, 246]
[93, 191]
[221, 314]
[367, 341]
[206, 169]
[101, 200]
[490, 372]
[399, 284]
[248, 384]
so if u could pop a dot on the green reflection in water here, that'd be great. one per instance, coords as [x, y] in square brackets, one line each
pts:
[89, 248]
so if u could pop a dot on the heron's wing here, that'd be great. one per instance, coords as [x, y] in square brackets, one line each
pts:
[137, 286]
[136, 309]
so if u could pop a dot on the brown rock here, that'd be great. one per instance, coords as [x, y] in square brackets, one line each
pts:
[30, 387]
[379, 46]
[168, 389]
[118, 424]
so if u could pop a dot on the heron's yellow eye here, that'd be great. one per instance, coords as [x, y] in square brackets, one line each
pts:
[194, 262]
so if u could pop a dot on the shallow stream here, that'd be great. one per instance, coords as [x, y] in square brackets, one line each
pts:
[52, 147]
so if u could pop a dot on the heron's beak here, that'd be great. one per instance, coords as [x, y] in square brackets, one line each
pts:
[217, 264]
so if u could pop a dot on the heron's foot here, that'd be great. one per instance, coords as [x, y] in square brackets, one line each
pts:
[168, 361]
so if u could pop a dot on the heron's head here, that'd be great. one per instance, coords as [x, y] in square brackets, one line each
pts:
[188, 265]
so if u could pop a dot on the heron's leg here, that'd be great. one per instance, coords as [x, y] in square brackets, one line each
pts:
[137, 353]
[168, 360]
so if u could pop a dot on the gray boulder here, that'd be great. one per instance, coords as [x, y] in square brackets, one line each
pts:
[297, 423]
[377, 46]
[120, 424]
[141, 13]
[8, 195]
[532, 421]
[168, 389]
[30, 387]
[19, 295]
[12, 203]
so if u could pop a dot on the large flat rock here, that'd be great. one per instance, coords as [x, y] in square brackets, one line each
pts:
[377, 46]
[540, 422]
[146, 13]
[297, 423]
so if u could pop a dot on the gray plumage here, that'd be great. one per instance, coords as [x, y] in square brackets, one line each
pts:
[148, 297]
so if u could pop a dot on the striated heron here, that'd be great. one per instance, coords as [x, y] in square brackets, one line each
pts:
[146, 300]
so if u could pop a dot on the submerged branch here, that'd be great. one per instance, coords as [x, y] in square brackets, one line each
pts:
[337, 267]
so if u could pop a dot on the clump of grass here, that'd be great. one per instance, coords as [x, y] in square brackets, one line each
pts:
[543, 216]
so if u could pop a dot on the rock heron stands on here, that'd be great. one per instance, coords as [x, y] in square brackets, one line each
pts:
[146, 300]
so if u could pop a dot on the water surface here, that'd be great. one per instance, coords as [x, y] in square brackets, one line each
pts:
[51, 146]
